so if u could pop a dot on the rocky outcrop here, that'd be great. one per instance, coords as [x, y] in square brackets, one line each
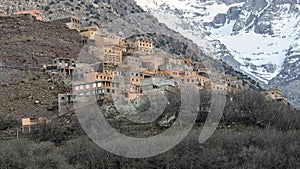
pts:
[219, 20]
[233, 13]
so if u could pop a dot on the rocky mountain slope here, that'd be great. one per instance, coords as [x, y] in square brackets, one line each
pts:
[124, 18]
[25, 41]
[97, 12]
[25, 44]
[258, 37]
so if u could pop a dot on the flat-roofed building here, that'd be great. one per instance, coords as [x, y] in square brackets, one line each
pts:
[38, 15]
[65, 102]
[233, 84]
[276, 95]
[114, 40]
[72, 22]
[133, 61]
[61, 65]
[113, 55]
[89, 32]
[108, 50]
[202, 80]
[141, 46]
[215, 86]
[32, 121]
[152, 61]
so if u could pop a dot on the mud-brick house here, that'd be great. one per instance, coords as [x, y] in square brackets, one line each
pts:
[72, 22]
[233, 84]
[118, 85]
[156, 83]
[141, 47]
[152, 61]
[65, 102]
[114, 41]
[216, 86]
[27, 123]
[108, 50]
[34, 13]
[275, 95]
[61, 65]
[133, 83]
[66, 98]
[112, 55]
[133, 61]
[182, 76]
[95, 83]
[89, 32]
[82, 68]
[88, 88]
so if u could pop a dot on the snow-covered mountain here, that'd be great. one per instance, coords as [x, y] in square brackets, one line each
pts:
[258, 37]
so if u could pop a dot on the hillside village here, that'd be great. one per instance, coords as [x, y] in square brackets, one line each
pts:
[127, 69]
[49, 66]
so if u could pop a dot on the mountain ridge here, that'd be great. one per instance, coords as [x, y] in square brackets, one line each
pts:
[259, 38]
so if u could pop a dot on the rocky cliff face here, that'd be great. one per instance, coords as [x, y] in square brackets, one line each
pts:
[257, 37]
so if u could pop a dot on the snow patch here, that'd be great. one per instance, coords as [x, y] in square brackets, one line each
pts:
[253, 51]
